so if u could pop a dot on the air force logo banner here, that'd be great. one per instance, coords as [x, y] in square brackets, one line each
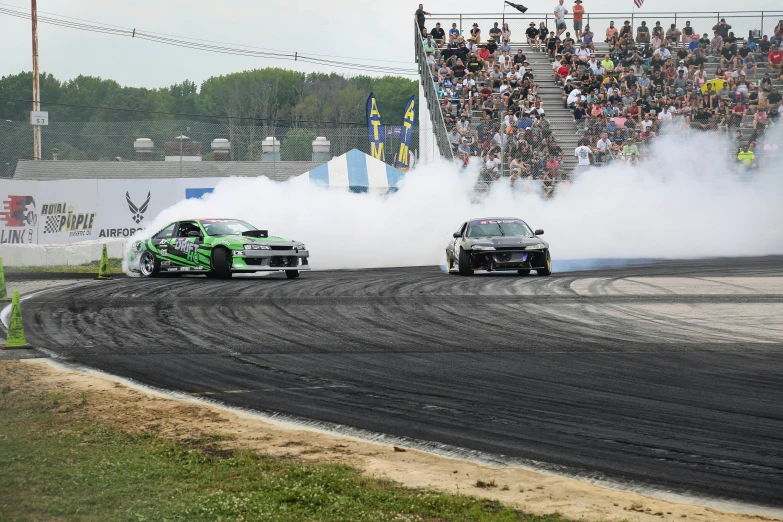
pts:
[128, 206]
[138, 211]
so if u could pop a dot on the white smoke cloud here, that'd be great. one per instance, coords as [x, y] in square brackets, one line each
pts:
[688, 200]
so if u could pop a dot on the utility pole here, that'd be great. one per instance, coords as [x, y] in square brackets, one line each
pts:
[36, 86]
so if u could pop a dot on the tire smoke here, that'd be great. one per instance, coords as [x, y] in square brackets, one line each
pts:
[689, 199]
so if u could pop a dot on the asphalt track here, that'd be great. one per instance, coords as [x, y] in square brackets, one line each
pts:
[667, 375]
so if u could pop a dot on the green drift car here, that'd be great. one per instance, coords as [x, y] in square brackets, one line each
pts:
[217, 248]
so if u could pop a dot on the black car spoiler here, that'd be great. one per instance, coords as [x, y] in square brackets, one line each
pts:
[256, 233]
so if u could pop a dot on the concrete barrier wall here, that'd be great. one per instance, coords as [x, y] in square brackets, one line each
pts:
[58, 255]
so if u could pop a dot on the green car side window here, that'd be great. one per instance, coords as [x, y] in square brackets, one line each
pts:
[167, 232]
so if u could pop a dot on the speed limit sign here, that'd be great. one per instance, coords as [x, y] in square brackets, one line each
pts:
[39, 117]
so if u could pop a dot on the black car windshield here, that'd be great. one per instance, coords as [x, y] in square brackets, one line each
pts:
[225, 227]
[498, 227]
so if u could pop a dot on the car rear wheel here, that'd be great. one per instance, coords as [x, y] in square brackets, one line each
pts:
[464, 263]
[221, 263]
[149, 266]
[449, 263]
[548, 270]
[292, 274]
[524, 271]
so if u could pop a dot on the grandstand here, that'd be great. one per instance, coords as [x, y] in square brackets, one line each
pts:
[739, 108]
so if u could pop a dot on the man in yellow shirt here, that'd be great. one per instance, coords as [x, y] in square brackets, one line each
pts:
[746, 156]
[607, 64]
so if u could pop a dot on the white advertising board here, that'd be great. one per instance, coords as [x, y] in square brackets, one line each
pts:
[67, 211]
[19, 212]
[128, 205]
[70, 211]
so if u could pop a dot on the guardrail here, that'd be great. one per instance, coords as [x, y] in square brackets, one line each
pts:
[744, 23]
[431, 95]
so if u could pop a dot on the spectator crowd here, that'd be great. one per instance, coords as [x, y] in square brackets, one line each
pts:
[650, 77]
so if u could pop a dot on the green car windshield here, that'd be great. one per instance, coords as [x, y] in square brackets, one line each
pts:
[499, 227]
[225, 227]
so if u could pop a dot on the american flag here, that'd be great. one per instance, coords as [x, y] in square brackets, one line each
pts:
[638, 2]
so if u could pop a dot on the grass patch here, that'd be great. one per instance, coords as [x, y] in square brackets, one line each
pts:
[484, 484]
[115, 267]
[60, 463]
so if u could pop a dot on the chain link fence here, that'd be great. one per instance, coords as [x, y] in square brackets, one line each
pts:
[117, 141]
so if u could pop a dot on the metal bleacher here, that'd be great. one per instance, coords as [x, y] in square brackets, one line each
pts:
[560, 118]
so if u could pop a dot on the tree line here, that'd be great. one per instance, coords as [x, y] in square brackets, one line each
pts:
[263, 96]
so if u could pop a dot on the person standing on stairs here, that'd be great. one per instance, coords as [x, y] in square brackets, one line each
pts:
[560, 21]
[578, 14]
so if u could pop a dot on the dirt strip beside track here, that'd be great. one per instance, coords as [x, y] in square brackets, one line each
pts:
[135, 410]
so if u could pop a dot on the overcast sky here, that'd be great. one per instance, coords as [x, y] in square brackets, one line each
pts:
[363, 29]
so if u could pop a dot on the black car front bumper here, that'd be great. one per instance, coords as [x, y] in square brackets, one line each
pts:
[517, 259]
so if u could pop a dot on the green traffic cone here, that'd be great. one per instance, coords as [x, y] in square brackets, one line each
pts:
[103, 271]
[15, 338]
[3, 292]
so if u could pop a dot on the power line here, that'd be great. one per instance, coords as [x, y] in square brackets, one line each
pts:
[205, 45]
[214, 116]
[210, 41]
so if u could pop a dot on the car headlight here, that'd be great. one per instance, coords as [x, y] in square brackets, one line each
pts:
[301, 247]
[483, 247]
[537, 246]
[257, 247]
[137, 246]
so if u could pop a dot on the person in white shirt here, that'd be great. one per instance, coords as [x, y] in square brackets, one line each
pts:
[582, 153]
[503, 61]
[492, 165]
[663, 53]
[510, 120]
[575, 96]
[646, 123]
[463, 126]
[665, 115]
[602, 147]
[583, 54]
[560, 21]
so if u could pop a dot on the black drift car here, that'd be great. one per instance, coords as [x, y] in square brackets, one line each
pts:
[498, 244]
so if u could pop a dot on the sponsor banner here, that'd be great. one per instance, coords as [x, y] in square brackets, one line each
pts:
[128, 205]
[197, 193]
[402, 160]
[71, 211]
[68, 211]
[196, 188]
[375, 128]
[19, 213]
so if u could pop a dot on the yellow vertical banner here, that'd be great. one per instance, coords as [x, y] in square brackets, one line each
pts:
[375, 128]
[402, 161]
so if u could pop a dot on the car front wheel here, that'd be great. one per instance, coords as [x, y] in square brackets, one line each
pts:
[149, 266]
[221, 263]
[464, 263]
[548, 270]
[292, 274]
